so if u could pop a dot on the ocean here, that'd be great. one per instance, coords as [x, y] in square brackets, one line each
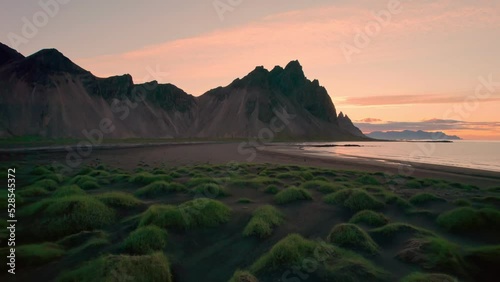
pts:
[484, 155]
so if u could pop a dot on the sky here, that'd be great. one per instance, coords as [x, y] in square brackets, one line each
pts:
[388, 64]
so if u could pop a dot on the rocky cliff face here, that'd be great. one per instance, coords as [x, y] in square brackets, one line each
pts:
[47, 94]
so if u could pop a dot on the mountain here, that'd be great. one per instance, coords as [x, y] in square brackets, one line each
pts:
[46, 94]
[411, 135]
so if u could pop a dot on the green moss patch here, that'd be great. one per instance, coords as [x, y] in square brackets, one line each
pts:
[38, 254]
[69, 190]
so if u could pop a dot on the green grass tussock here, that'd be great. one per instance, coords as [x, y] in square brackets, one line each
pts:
[68, 215]
[393, 229]
[147, 178]
[201, 212]
[38, 254]
[354, 199]
[369, 218]
[243, 276]
[158, 188]
[119, 200]
[48, 184]
[33, 191]
[292, 194]
[333, 263]
[324, 187]
[210, 190]
[69, 190]
[425, 198]
[263, 220]
[145, 268]
[428, 277]
[145, 240]
[350, 236]
[271, 189]
[470, 220]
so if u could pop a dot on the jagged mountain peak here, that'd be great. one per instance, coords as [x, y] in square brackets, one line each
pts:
[51, 60]
[8, 55]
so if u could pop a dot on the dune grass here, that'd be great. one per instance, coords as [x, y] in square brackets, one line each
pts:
[210, 190]
[48, 184]
[119, 200]
[195, 181]
[354, 199]
[336, 264]
[392, 229]
[145, 178]
[292, 194]
[201, 212]
[159, 188]
[271, 189]
[370, 218]
[433, 253]
[243, 276]
[69, 190]
[348, 235]
[33, 191]
[68, 215]
[154, 267]
[368, 180]
[264, 220]
[80, 179]
[428, 277]
[425, 198]
[470, 220]
[145, 240]
[38, 254]
[324, 187]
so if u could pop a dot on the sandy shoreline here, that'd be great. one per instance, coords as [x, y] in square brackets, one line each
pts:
[218, 153]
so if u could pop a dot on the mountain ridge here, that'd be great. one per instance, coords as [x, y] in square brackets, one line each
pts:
[412, 135]
[52, 96]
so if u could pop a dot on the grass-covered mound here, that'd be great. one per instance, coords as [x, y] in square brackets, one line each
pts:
[271, 189]
[425, 198]
[48, 184]
[146, 268]
[292, 194]
[243, 276]
[350, 236]
[368, 180]
[330, 263]
[210, 190]
[67, 215]
[322, 186]
[369, 218]
[201, 212]
[145, 240]
[390, 230]
[428, 277]
[263, 221]
[38, 254]
[354, 199]
[119, 200]
[147, 178]
[69, 190]
[33, 191]
[158, 188]
[433, 253]
[470, 220]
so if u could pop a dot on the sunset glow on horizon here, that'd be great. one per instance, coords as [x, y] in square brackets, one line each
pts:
[389, 65]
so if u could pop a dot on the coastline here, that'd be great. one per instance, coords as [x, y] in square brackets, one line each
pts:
[174, 154]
